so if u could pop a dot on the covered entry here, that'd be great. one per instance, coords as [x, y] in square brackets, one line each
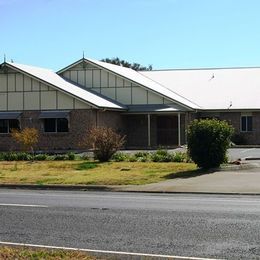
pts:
[153, 129]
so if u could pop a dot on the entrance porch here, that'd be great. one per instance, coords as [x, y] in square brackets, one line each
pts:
[155, 130]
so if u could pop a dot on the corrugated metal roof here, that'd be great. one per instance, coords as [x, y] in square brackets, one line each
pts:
[146, 82]
[55, 80]
[214, 89]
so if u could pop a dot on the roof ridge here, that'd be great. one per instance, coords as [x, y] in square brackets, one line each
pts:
[212, 68]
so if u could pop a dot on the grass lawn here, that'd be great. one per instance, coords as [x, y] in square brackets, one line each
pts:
[23, 253]
[85, 172]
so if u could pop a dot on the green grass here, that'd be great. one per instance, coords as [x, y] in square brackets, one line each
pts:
[85, 172]
[86, 166]
[23, 253]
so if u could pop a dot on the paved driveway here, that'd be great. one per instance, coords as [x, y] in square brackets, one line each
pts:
[235, 153]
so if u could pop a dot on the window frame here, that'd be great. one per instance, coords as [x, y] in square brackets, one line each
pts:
[8, 126]
[56, 125]
[247, 124]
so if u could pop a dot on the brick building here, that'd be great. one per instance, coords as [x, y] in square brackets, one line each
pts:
[152, 108]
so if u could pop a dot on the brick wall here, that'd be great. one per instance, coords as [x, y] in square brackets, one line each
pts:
[79, 122]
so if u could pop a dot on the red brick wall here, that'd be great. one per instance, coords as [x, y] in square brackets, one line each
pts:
[79, 122]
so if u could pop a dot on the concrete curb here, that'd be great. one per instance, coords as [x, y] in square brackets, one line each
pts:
[114, 189]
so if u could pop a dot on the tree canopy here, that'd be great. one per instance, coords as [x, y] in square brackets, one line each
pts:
[123, 63]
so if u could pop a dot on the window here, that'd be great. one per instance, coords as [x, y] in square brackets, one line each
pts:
[246, 124]
[6, 125]
[56, 125]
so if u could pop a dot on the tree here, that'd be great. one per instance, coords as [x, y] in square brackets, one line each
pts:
[27, 137]
[104, 141]
[123, 63]
[208, 141]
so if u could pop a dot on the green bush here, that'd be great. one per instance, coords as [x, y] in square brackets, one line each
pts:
[179, 157]
[60, 157]
[119, 157]
[23, 156]
[142, 156]
[10, 156]
[161, 156]
[71, 156]
[40, 157]
[208, 141]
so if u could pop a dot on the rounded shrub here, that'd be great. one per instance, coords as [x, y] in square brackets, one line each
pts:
[208, 141]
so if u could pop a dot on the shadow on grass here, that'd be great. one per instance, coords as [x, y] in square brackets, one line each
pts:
[189, 174]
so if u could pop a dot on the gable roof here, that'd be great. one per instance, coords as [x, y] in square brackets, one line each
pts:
[214, 89]
[139, 79]
[51, 78]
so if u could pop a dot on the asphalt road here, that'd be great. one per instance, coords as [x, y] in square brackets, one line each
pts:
[186, 225]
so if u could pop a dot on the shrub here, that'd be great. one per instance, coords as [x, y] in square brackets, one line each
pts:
[104, 141]
[10, 156]
[27, 137]
[71, 156]
[161, 156]
[22, 156]
[179, 157]
[142, 156]
[40, 157]
[119, 157]
[208, 141]
[60, 157]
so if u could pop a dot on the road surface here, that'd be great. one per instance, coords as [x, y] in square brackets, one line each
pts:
[186, 225]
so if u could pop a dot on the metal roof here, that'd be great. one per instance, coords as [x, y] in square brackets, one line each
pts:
[54, 114]
[139, 79]
[9, 115]
[214, 89]
[158, 108]
[53, 79]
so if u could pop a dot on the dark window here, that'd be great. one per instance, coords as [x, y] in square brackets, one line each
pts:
[54, 125]
[6, 125]
[50, 125]
[246, 123]
[62, 125]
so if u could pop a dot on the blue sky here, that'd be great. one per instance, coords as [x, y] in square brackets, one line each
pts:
[164, 33]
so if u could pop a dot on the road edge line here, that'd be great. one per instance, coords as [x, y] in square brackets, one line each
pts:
[104, 251]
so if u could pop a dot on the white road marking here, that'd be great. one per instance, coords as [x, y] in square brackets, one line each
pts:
[105, 251]
[23, 205]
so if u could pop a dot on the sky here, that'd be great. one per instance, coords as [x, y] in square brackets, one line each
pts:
[162, 33]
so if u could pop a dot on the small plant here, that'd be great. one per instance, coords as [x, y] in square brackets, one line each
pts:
[10, 156]
[22, 156]
[179, 157]
[71, 156]
[161, 156]
[60, 157]
[27, 137]
[119, 157]
[208, 141]
[142, 156]
[40, 157]
[104, 141]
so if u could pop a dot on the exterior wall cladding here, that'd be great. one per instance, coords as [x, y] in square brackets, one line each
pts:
[79, 122]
